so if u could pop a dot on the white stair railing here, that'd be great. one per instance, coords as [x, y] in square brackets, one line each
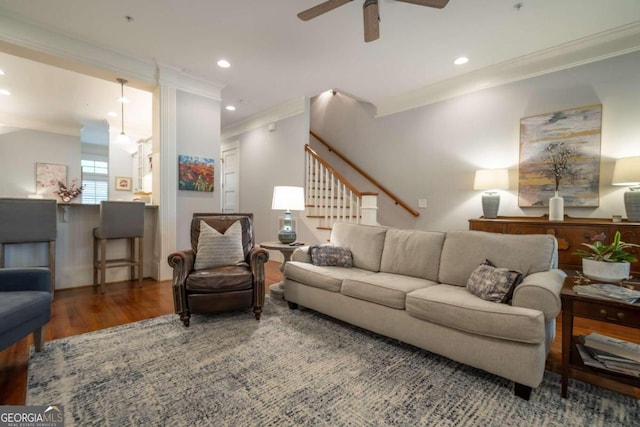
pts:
[331, 198]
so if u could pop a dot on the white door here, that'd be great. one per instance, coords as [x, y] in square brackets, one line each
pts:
[230, 175]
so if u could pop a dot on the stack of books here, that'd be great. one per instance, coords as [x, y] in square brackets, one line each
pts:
[609, 291]
[610, 354]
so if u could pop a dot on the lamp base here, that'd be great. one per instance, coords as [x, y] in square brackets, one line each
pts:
[286, 234]
[490, 205]
[632, 205]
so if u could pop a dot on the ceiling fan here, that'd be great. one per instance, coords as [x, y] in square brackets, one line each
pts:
[370, 10]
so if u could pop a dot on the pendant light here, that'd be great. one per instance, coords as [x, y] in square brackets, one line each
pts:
[123, 138]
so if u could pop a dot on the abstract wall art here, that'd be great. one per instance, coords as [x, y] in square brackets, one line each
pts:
[195, 173]
[560, 151]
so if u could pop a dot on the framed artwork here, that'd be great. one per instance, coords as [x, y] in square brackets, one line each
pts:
[123, 183]
[560, 151]
[47, 177]
[195, 173]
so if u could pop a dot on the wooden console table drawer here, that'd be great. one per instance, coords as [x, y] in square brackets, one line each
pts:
[570, 233]
[613, 313]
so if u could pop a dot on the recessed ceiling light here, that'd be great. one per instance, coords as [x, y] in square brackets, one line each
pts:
[124, 100]
[223, 63]
[112, 114]
[230, 108]
[461, 60]
[4, 92]
[1, 72]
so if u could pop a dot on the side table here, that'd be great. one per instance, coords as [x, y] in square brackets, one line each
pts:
[604, 310]
[277, 290]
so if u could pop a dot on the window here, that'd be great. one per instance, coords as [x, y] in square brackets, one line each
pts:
[95, 179]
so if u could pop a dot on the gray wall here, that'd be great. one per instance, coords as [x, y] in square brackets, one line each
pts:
[22, 149]
[197, 134]
[432, 152]
[268, 159]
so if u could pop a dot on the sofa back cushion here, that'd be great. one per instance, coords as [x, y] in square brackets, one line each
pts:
[463, 251]
[412, 253]
[364, 241]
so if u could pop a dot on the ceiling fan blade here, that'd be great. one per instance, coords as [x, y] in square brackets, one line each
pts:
[371, 20]
[318, 10]
[430, 3]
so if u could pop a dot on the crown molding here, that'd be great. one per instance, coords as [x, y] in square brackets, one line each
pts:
[17, 122]
[280, 112]
[589, 49]
[24, 39]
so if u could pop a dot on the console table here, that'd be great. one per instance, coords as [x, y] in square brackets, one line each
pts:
[570, 233]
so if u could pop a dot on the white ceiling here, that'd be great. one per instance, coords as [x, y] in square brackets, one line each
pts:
[276, 57]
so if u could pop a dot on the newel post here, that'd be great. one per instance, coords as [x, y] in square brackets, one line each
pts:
[369, 209]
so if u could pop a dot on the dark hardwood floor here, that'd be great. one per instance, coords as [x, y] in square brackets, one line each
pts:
[81, 310]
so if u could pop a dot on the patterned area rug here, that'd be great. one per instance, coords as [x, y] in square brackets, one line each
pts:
[294, 367]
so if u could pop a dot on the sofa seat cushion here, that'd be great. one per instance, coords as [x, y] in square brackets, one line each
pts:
[220, 279]
[384, 288]
[328, 278]
[455, 307]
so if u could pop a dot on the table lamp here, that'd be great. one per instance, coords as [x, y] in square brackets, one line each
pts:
[627, 172]
[491, 180]
[287, 199]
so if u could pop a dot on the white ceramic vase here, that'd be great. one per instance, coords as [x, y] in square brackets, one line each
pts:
[556, 208]
[611, 272]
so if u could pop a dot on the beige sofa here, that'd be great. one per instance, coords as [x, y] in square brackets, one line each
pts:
[411, 285]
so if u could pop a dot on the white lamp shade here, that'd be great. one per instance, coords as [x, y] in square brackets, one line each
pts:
[491, 179]
[123, 139]
[288, 198]
[626, 172]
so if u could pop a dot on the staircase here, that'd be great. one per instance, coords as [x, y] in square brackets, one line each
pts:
[331, 198]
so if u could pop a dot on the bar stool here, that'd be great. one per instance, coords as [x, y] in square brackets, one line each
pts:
[119, 220]
[29, 221]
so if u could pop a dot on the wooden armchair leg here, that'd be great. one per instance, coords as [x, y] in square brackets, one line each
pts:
[185, 317]
[257, 311]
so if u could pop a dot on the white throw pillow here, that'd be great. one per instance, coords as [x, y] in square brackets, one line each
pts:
[217, 250]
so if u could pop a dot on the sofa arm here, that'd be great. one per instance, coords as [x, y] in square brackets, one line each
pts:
[541, 291]
[25, 279]
[301, 254]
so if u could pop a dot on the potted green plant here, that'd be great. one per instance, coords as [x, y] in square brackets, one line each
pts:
[609, 263]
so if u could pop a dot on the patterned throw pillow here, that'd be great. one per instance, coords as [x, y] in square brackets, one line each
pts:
[330, 255]
[217, 250]
[492, 283]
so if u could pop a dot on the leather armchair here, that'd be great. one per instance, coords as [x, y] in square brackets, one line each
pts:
[219, 289]
[25, 304]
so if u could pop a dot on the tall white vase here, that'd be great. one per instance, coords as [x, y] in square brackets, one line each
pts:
[556, 208]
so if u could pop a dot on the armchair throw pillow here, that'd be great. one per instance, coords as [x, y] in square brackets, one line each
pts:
[216, 249]
[329, 255]
[492, 283]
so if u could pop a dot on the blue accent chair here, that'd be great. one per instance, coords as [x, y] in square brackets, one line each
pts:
[25, 304]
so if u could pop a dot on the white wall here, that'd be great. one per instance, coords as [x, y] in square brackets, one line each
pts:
[22, 149]
[197, 134]
[432, 152]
